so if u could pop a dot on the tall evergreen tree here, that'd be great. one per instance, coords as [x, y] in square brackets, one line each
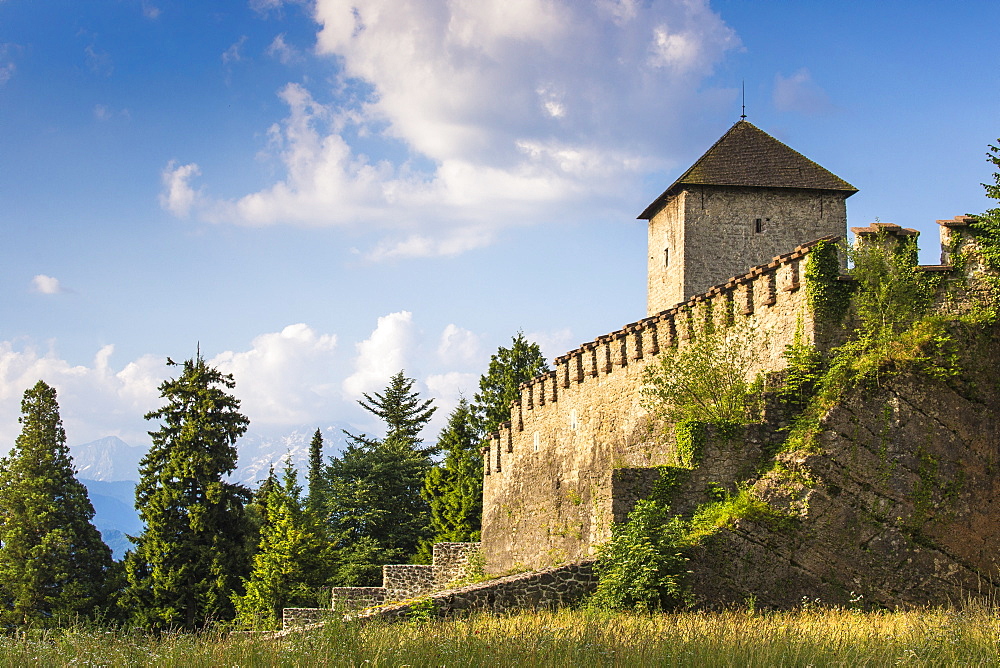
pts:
[400, 407]
[500, 385]
[285, 572]
[189, 560]
[454, 488]
[53, 562]
[375, 511]
[316, 501]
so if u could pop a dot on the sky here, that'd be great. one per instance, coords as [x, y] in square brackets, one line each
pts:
[321, 193]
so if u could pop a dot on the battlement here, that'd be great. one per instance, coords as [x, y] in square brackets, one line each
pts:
[765, 293]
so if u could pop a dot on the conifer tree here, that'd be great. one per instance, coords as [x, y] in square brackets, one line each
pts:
[454, 488]
[375, 512]
[500, 385]
[316, 501]
[53, 563]
[286, 569]
[399, 406]
[188, 561]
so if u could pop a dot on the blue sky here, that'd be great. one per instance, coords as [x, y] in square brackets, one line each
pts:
[322, 193]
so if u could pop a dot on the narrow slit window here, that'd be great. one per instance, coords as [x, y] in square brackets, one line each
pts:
[666, 257]
[758, 226]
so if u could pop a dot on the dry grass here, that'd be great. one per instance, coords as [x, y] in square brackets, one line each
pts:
[814, 636]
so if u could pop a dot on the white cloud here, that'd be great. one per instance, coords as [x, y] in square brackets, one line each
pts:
[94, 400]
[99, 62]
[47, 285]
[553, 343]
[447, 389]
[179, 196]
[458, 346]
[233, 53]
[281, 50]
[284, 380]
[285, 377]
[799, 93]
[149, 10]
[481, 115]
[265, 6]
[381, 355]
[6, 72]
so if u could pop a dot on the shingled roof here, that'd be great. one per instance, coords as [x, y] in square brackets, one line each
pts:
[748, 156]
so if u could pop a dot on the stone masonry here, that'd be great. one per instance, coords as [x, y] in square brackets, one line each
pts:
[451, 562]
[548, 474]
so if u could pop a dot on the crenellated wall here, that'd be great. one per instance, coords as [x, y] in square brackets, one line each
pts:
[548, 472]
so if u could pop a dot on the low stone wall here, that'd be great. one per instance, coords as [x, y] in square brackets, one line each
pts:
[402, 581]
[452, 561]
[293, 617]
[536, 590]
[354, 598]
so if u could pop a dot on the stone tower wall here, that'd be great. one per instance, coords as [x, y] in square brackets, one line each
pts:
[710, 233]
[548, 473]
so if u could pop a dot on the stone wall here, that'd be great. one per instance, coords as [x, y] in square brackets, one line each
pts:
[451, 561]
[897, 506]
[546, 589]
[548, 473]
[705, 234]
[297, 617]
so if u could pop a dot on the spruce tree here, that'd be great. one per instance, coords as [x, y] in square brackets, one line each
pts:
[189, 560]
[400, 407]
[500, 385]
[286, 569]
[316, 501]
[53, 563]
[454, 488]
[375, 511]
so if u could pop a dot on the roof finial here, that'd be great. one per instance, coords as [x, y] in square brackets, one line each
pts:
[744, 85]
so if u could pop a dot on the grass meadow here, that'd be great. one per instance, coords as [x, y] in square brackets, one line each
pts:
[813, 636]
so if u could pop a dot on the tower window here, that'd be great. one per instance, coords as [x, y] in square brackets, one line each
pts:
[666, 257]
[758, 226]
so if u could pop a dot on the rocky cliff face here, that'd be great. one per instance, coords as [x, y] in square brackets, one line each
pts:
[897, 501]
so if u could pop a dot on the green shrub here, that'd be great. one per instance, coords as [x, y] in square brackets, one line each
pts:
[642, 566]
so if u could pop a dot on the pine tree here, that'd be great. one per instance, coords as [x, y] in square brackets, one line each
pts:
[285, 567]
[53, 563]
[375, 511]
[454, 488]
[190, 557]
[500, 386]
[316, 500]
[401, 410]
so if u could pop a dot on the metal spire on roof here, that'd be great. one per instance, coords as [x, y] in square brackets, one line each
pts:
[744, 116]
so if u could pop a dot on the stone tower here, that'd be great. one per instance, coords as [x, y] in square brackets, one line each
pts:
[748, 199]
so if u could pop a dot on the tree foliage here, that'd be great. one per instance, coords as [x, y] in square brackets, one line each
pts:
[53, 563]
[400, 407]
[643, 565]
[316, 500]
[500, 386]
[191, 555]
[375, 513]
[891, 294]
[454, 488]
[705, 380]
[286, 568]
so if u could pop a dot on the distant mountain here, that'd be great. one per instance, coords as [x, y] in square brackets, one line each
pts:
[108, 458]
[259, 451]
[109, 467]
[112, 459]
[114, 512]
